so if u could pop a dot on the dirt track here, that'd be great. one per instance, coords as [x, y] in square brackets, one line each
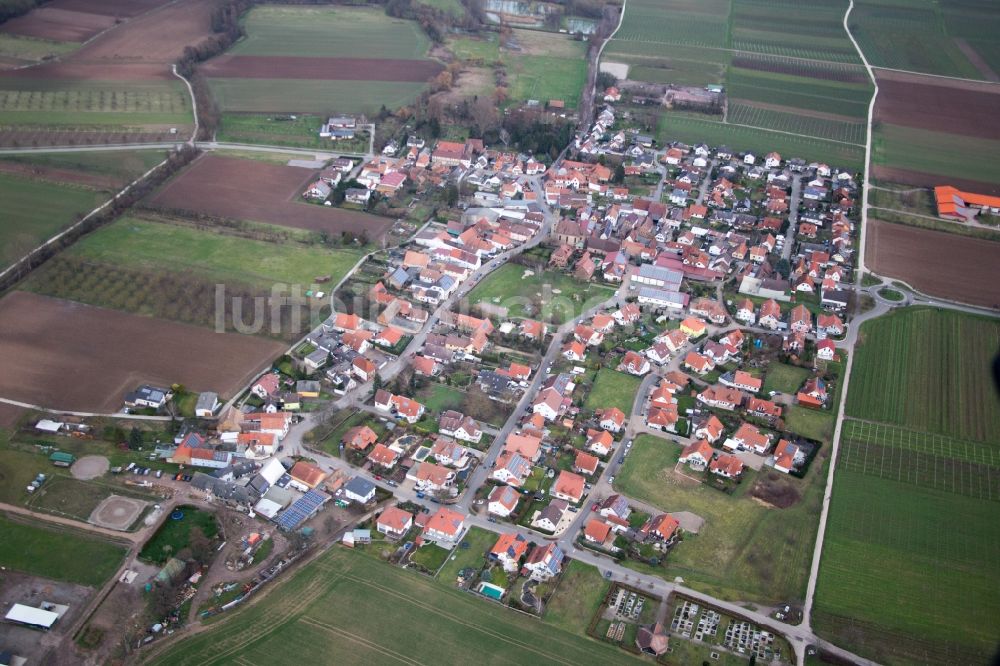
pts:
[944, 105]
[327, 69]
[936, 263]
[65, 355]
[261, 192]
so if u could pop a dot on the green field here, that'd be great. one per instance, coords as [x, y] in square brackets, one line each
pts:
[303, 132]
[950, 155]
[453, 7]
[691, 129]
[174, 535]
[123, 166]
[811, 423]
[553, 296]
[328, 32]
[543, 78]
[57, 554]
[812, 109]
[784, 378]
[744, 550]
[909, 573]
[613, 389]
[346, 606]
[31, 49]
[36, 210]
[163, 247]
[799, 92]
[485, 49]
[93, 104]
[909, 564]
[291, 95]
[578, 596]
[318, 32]
[912, 35]
[929, 370]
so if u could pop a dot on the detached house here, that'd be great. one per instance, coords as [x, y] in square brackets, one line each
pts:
[544, 562]
[600, 442]
[458, 425]
[635, 363]
[698, 453]
[508, 551]
[611, 419]
[569, 487]
[711, 429]
[394, 522]
[444, 526]
[813, 393]
[721, 397]
[502, 501]
[726, 466]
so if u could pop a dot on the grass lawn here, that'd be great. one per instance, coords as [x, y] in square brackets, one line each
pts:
[174, 535]
[890, 294]
[440, 397]
[929, 370]
[553, 296]
[613, 389]
[486, 50]
[479, 541]
[784, 378]
[17, 470]
[262, 553]
[163, 247]
[329, 32]
[744, 550]
[346, 603]
[544, 78]
[430, 556]
[303, 132]
[36, 210]
[811, 423]
[578, 596]
[57, 554]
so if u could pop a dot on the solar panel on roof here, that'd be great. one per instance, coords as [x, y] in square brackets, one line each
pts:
[302, 509]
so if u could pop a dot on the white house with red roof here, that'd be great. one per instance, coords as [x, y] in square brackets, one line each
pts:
[445, 526]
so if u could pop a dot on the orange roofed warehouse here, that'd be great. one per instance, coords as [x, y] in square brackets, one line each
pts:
[954, 204]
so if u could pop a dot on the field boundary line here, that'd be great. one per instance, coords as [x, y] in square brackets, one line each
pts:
[359, 639]
[471, 625]
[936, 76]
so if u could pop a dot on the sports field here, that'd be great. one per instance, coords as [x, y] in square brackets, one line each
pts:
[161, 247]
[559, 297]
[35, 210]
[929, 370]
[745, 550]
[57, 554]
[613, 389]
[346, 606]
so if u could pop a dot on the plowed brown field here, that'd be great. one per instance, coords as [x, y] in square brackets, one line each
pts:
[61, 25]
[65, 355]
[937, 263]
[260, 192]
[329, 69]
[943, 105]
